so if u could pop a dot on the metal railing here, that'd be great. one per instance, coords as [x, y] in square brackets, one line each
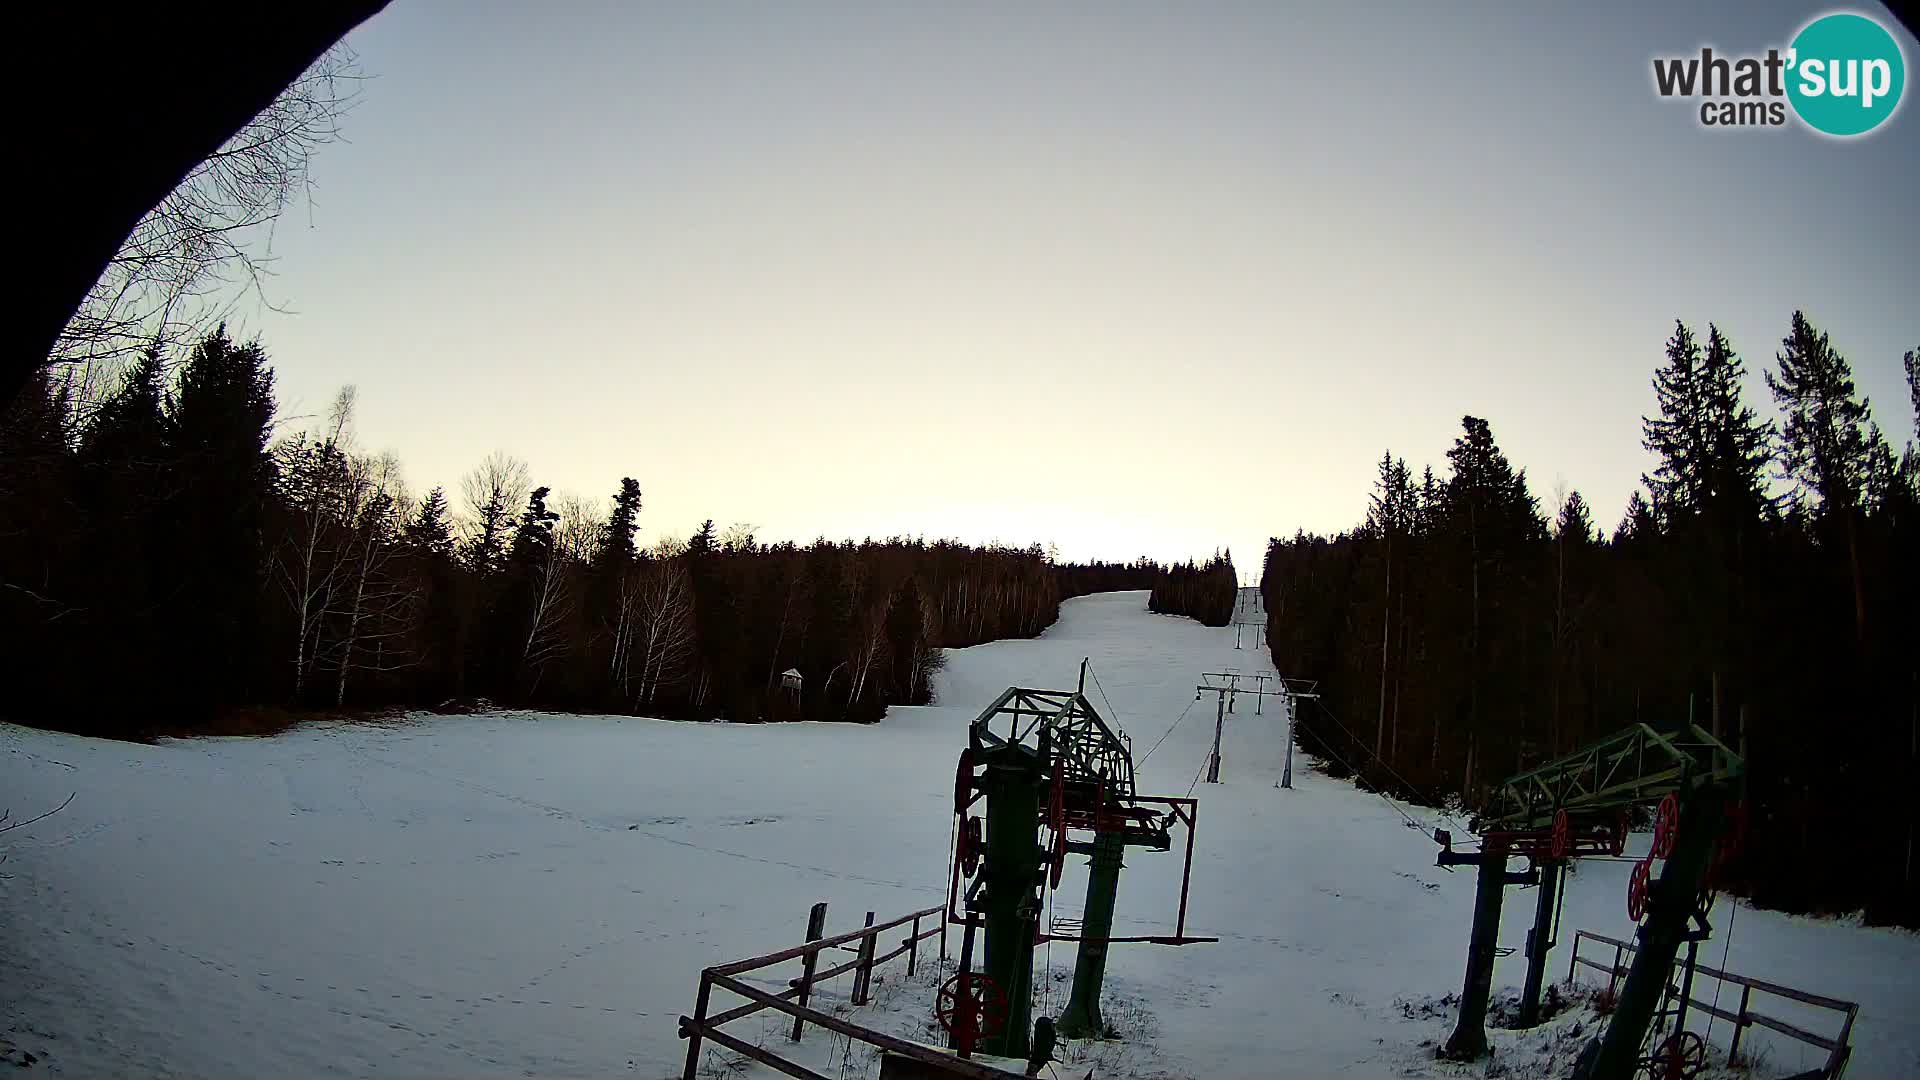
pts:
[1837, 1046]
[864, 943]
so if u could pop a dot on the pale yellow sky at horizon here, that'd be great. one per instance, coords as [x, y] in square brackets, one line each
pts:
[1129, 282]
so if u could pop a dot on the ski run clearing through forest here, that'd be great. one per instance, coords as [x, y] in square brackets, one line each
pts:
[523, 894]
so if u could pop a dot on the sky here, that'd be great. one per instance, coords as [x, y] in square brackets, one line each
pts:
[1118, 277]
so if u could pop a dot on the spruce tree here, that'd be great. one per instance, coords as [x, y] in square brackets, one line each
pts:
[1638, 523]
[1737, 444]
[1824, 432]
[428, 532]
[1678, 436]
[1825, 447]
[218, 422]
[617, 547]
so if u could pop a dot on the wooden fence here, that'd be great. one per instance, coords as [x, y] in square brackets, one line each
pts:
[1837, 1047]
[863, 943]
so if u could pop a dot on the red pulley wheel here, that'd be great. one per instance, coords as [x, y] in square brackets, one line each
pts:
[963, 782]
[970, 847]
[969, 1006]
[1058, 858]
[1637, 884]
[1680, 1057]
[1562, 834]
[1666, 826]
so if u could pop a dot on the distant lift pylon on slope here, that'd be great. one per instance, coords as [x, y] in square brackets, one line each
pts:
[1054, 767]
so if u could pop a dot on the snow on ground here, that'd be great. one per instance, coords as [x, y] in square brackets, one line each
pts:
[530, 894]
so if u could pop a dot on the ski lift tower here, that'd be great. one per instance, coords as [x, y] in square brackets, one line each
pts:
[1578, 806]
[1043, 760]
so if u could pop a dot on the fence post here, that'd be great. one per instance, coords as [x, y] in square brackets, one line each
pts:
[1574, 959]
[1613, 977]
[1739, 1024]
[913, 946]
[699, 1019]
[816, 926]
[863, 972]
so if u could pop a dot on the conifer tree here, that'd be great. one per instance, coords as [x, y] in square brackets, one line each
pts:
[1678, 436]
[218, 421]
[428, 532]
[617, 546]
[1825, 447]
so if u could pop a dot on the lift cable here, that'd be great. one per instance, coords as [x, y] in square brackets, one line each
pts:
[1411, 823]
[1169, 731]
[1197, 774]
[1383, 764]
[1732, 911]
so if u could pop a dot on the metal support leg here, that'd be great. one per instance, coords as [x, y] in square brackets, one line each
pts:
[1469, 1039]
[1539, 942]
[1081, 1019]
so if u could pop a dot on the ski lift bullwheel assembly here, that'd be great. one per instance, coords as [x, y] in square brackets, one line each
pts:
[970, 1006]
[1637, 885]
[1562, 834]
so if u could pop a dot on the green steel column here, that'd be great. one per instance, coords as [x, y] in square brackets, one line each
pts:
[1469, 1039]
[1082, 1019]
[1539, 941]
[1012, 872]
[1669, 906]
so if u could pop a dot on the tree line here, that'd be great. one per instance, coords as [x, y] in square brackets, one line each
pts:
[166, 554]
[1203, 592]
[1761, 582]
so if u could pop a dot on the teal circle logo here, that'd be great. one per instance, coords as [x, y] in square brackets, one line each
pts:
[1845, 74]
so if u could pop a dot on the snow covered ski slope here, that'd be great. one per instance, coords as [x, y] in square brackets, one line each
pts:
[534, 895]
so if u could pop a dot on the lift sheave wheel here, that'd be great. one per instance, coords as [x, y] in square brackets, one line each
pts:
[963, 782]
[1562, 834]
[971, 845]
[1682, 1056]
[1666, 826]
[1637, 884]
[969, 1007]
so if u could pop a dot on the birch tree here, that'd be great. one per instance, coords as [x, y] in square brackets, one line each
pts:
[664, 635]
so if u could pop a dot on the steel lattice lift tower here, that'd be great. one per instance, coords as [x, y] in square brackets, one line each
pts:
[1053, 767]
[1578, 806]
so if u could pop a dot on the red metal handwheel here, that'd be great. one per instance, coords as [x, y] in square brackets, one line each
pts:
[969, 1006]
[963, 782]
[1562, 834]
[1666, 826]
[1637, 884]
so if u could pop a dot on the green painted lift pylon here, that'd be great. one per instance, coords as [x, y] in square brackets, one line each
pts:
[1011, 880]
[1051, 739]
[1670, 905]
[1082, 1019]
[1634, 765]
